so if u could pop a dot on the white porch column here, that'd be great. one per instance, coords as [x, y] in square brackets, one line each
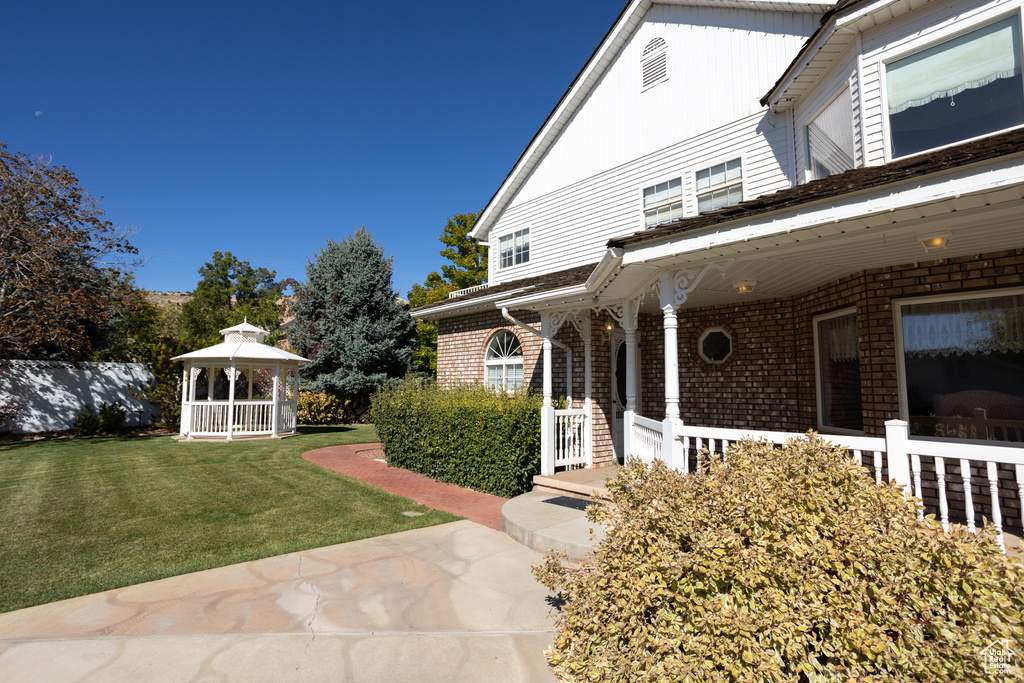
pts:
[547, 411]
[588, 389]
[671, 448]
[277, 400]
[630, 322]
[897, 436]
[231, 400]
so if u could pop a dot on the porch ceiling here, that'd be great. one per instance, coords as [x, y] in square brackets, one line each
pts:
[789, 263]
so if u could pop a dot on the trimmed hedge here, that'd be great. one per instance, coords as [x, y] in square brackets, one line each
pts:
[780, 565]
[469, 436]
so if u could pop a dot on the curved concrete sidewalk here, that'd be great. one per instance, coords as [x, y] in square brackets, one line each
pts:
[455, 602]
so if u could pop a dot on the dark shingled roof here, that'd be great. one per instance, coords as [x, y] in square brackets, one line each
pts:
[842, 183]
[540, 283]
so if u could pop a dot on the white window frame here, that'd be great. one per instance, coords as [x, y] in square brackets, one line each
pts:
[505, 362]
[818, 379]
[954, 28]
[516, 259]
[742, 183]
[700, 346]
[681, 199]
[901, 373]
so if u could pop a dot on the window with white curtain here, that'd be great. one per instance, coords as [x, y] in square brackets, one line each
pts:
[963, 366]
[837, 372]
[830, 138]
[503, 362]
[663, 203]
[720, 185]
[962, 88]
[514, 249]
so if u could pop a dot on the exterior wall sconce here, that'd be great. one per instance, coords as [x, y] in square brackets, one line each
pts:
[935, 242]
[745, 287]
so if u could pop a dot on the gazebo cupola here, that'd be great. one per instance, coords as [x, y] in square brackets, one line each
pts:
[240, 387]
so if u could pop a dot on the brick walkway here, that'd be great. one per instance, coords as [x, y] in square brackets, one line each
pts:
[481, 508]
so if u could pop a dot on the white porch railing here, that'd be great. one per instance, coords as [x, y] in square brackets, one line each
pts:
[646, 440]
[897, 457]
[572, 438]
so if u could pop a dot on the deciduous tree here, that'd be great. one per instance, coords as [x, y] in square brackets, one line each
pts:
[57, 256]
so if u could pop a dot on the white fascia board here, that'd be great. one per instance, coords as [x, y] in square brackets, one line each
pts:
[552, 297]
[611, 261]
[1004, 172]
[845, 25]
[463, 307]
[598, 62]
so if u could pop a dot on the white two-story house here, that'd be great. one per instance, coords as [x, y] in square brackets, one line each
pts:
[765, 216]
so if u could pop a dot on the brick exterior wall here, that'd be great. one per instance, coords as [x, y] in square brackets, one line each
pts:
[768, 382]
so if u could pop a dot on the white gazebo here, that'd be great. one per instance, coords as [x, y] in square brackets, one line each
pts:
[240, 387]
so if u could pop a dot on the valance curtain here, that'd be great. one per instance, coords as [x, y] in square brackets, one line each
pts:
[837, 338]
[966, 327]
[969, 61]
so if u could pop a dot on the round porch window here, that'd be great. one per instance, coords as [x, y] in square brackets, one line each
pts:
[503, 362]
[714, 346]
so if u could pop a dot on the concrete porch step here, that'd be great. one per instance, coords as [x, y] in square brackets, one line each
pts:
[585, 482]
[551, 521]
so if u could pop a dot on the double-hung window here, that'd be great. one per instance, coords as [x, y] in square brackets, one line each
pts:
[663, 203]
[960, 89]
[837, 372]
[515, 248]
[720, 185]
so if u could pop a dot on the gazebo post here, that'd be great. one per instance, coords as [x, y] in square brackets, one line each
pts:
[184, 397]
[231, 400]
[295, 401]
[277, 399]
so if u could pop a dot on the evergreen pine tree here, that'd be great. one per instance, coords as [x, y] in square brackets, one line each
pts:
[348, 321]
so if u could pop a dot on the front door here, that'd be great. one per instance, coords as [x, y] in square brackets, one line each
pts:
[618, 355]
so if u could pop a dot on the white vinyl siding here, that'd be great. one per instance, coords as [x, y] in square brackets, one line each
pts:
[571, 226]
[617, 123]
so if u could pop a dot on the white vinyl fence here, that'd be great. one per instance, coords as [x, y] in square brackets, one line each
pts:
[53, 392]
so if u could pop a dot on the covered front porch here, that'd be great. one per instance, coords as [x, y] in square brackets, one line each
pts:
[891, 326]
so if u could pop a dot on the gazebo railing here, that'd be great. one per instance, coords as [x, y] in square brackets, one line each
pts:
[210, 418]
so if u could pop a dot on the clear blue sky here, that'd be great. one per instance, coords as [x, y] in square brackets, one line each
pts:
[262, 128]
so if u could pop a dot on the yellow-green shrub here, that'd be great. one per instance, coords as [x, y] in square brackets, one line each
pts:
[320, 408]
[781, 565]
[469, 436]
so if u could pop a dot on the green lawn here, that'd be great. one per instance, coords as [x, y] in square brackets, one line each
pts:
[79, 516]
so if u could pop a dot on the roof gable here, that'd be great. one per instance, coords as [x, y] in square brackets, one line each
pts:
[587, 79]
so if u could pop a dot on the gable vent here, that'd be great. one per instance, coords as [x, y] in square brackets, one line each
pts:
[654, 63]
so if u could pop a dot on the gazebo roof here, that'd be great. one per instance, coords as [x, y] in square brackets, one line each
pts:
[243, 342]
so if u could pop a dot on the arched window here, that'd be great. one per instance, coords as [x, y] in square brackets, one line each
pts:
[654, 63]
[503, 362]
